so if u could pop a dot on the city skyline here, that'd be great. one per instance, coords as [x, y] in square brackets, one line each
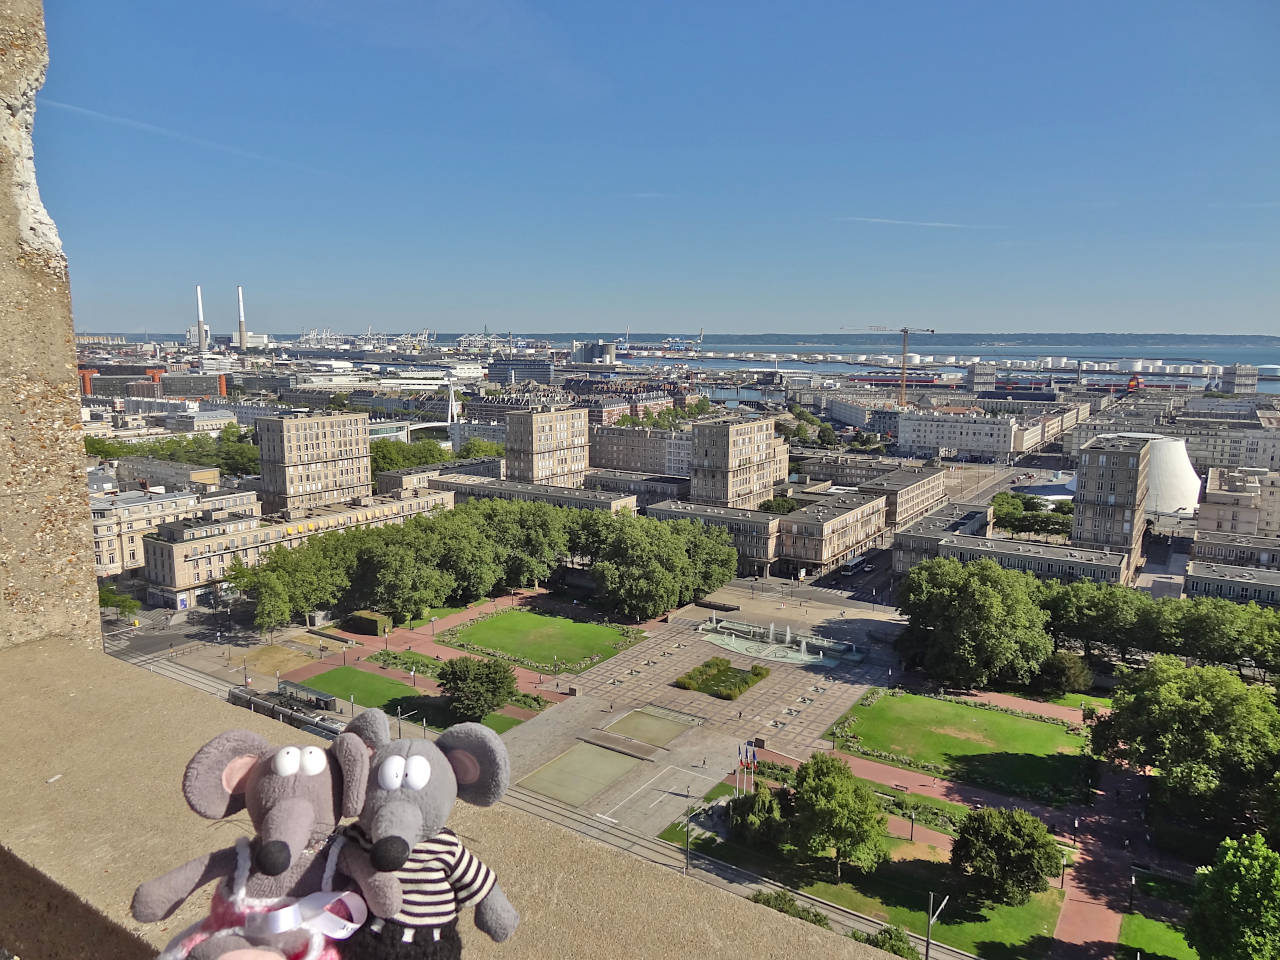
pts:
[561, 167]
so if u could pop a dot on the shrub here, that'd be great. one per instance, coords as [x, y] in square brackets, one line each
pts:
[891, 939]
[784, 902]
[369, 622]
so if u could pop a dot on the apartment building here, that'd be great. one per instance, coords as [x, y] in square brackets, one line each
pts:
[185, 560]
[647, 488]
[1111, 493]
[121, 518]
[754, 533]
[820, 536]
[735, 463]
[392, 482]
[519, 369]
[606, 411]
[1241, 584]
[642, 450]
[958, 531]
[572, 498]
[144, 472]
[201, 421]
[1216, 436]
[492, 431]
[1244, 501]
[980, 377]
[313, 459]
[1236, 549]
[1240, 378]
[550, 447]
[973, 435]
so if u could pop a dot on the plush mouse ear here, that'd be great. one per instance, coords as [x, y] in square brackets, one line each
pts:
[352, 757]
[479, 760]
[372, 727]
[214, 783]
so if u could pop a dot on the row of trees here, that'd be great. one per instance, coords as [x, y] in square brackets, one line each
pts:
[979, 624]
[667, 419]
[999, 855]
[1023, 513]
[230, 451]
[642, 567]
[385, 454]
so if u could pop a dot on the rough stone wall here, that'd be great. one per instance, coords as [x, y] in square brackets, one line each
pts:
[47, 586]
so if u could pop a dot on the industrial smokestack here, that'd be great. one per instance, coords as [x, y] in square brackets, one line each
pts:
[201, 340]
[244, 337]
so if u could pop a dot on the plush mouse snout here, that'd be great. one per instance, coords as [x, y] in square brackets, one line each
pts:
[273, 858]
[389, 854]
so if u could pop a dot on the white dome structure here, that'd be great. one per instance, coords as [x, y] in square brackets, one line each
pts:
[1173, 486]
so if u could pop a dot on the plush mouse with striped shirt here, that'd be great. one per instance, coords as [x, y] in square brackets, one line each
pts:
[412, 787]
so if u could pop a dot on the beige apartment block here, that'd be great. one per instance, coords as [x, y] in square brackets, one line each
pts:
[150, 472]
[735, 463]
[1244, 501]
[313, 459]
[754, 533]
[186, 560]
[121, 518]
[1111, 493]
[642, 450]
[549, 447]
[822, 535]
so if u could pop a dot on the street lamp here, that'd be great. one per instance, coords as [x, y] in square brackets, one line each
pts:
[1063, 883]
[1133, 883]
[687, 821]
[933, 916]
[913, 826]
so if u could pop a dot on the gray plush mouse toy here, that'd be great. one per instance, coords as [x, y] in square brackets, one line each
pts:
[412, 787]
[281, 893]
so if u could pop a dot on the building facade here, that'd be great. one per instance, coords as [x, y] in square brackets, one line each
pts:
[518, 369]
[642, 450]
[1244, 501]
[142, 472]
[1111, 493]
[754, 533]
[1241, 584]
[550, 447]
[735, 463]
[820, 536]
[1240, 378]
[186, 560]
[1236, 549]
[122, 518]
[647, 488]
[313, 459]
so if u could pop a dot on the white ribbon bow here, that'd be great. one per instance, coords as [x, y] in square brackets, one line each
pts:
[311, 913]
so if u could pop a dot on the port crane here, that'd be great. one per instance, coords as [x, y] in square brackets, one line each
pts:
[906, 334]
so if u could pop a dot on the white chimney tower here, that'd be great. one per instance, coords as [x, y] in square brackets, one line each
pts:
[201, 339]
[244, 337]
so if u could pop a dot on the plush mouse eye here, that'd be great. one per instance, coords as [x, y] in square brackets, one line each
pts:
[287, 761]
[313, 761]
[416, 773]
[391, 773]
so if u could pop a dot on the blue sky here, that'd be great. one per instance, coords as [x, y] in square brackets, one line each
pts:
[739, 166]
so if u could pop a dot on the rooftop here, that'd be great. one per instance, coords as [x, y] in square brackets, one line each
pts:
[636, 476]
[951, 518]
[1048, 551]
[706, 510]
[902, 478]
[834, 505]
[1237, 540]
[436, 467]
[1226, 571]
[493, 483]
[133, 498]
[1121, 441]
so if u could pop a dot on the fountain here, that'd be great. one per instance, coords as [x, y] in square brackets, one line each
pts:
[804, 646]
[772, 627]
[788, 635]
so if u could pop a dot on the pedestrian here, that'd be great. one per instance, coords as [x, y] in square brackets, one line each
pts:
[739, 714]
[611, 706]
[704, 762]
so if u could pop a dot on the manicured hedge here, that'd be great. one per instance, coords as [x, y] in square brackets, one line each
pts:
[369, 622]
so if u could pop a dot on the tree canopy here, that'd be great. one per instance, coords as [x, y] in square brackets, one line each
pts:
[835, 812]
[1213, 738]
[1236, 911]
[973, 623]
[779, 505]
[1004, 855]
[642, 567]
[110, 598]
[230, 452]
[476, 686]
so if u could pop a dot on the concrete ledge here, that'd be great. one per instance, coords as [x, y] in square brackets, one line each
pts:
[118, 737]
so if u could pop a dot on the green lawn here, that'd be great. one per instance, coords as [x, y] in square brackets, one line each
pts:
[425, 619]
[955, 812]
[898, 892]
[543, 641]
[370, 690]
[1006, 753]
[718, 791]
[1154, 939]
[1089, 700]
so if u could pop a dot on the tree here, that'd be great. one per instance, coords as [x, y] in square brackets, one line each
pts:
[124, 605]
[827, 436]
[700, 407]
[272, 609]
[1214, 739]
[475, 447]
[229, 434]
[756, 818]
[973, 623]
[835, 812]
[1004, 855]
[1006, 509]
[406, 588]
[1236, 911]
[477, 687]
[779, 505]
[801, 433]
[1063, 673]
[784, 902]
[387, 454]
[1064, 507]
[338, 401]
[891, 939]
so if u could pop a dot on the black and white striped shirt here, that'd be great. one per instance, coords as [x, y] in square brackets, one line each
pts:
[440, 877]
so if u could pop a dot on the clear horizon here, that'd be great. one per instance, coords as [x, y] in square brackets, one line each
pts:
[561, 165]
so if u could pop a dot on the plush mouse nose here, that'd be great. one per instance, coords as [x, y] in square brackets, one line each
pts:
[273, 858]
[389, 854]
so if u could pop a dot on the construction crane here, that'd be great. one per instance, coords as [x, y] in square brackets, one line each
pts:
[906, 333]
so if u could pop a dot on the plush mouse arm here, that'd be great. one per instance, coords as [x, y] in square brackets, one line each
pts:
[382, 891]
[156, 899]
[496, 916]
